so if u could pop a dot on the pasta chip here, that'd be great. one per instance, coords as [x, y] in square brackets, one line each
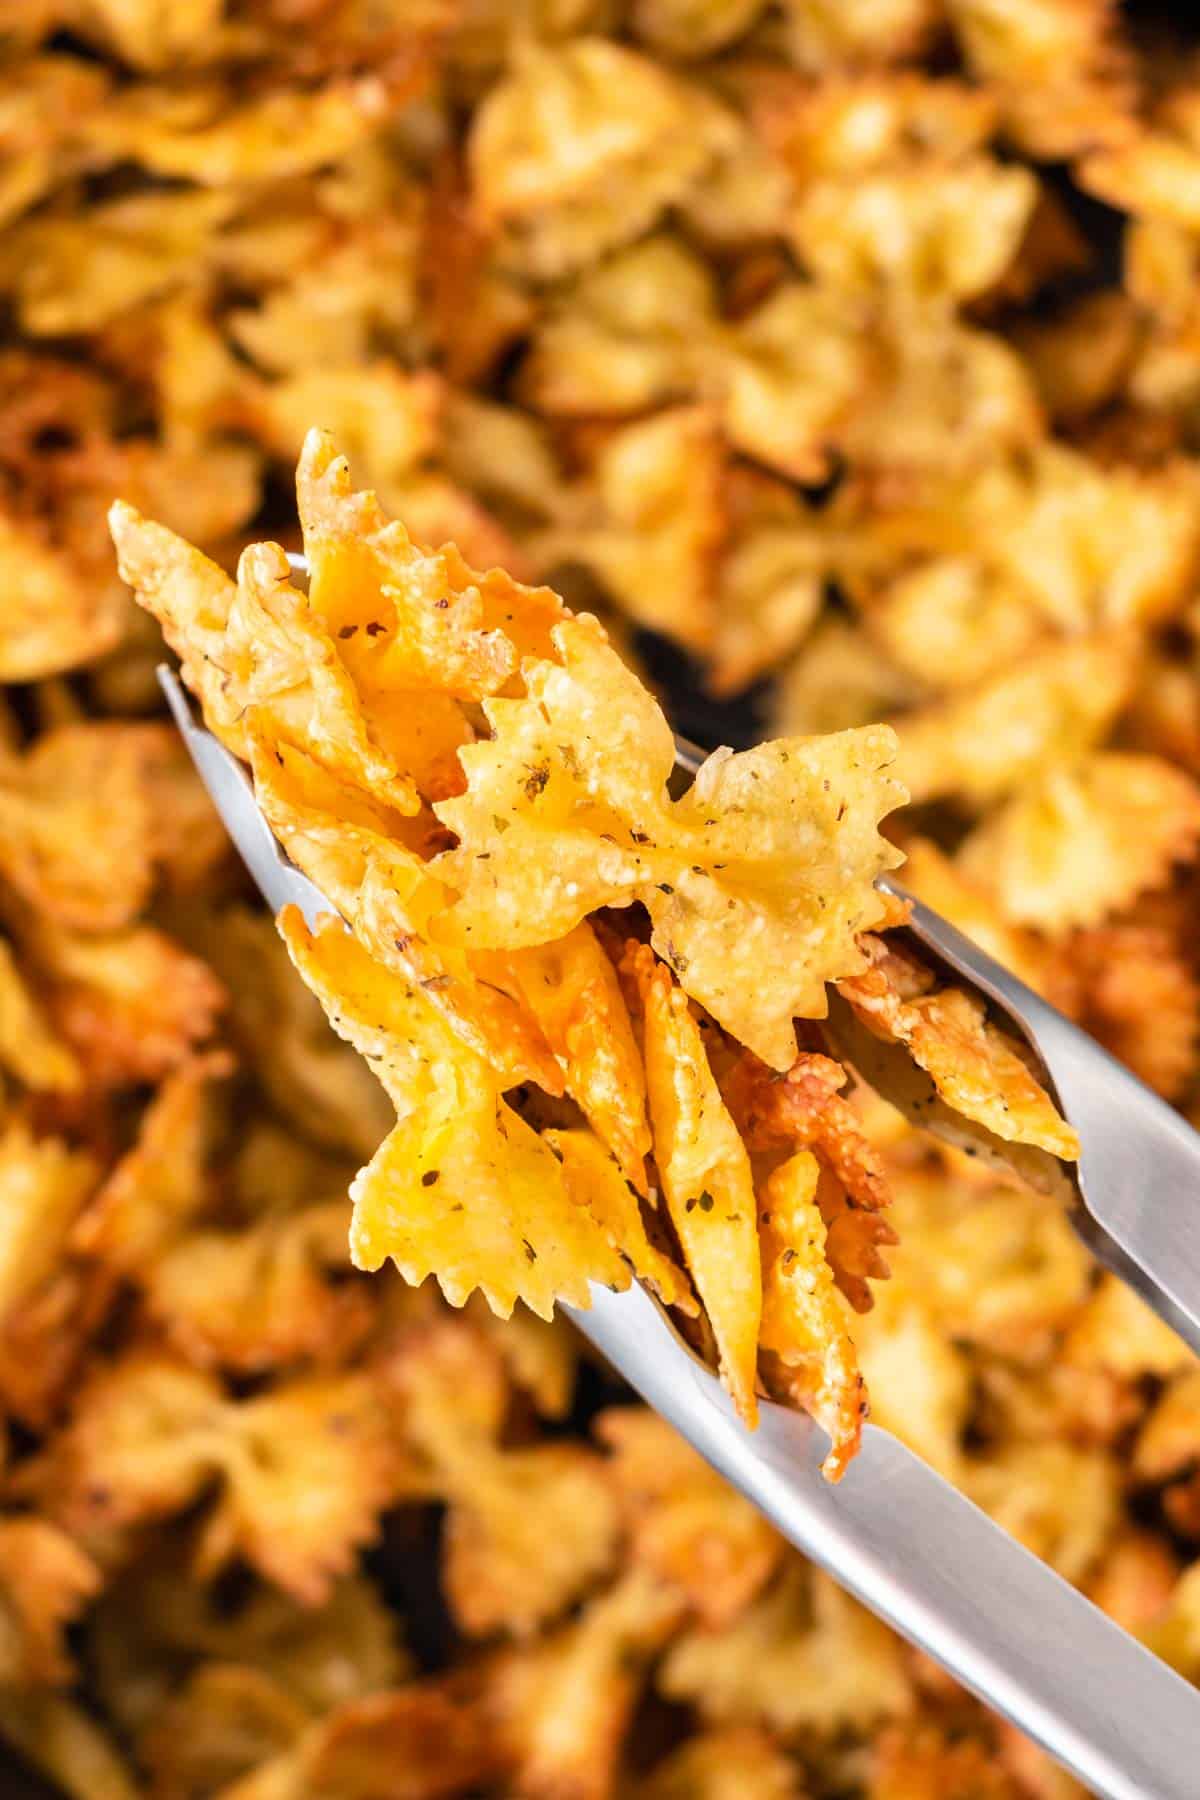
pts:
[688, 1528]
[804, 1110]
[394, 902]
[771, 582]
[684, 29]
[74, 274]
[51, 617]
[46, 1183]
[405, 619]
[803, 1656]
[546, 1509]
[255, 647]
[935, 230]
[736, 872]
[595, 1182]
[721, 1765]
[573, 991]
[64, 1742]
[436, 1731]
[921, 1762]
[581, 148]
[803, 1323]
[160, 1184]
[1060, 1501]
[563, 1706]
[1061, 76]
[1140, 996]
[264, 1297]
[825, 36]
[132, 1004]
[305, 1468]
[619, 339]
[45, 1580]
[705, 1173]
[1085, 840]
[938, 880]
[648, 521]
[208, 137]
[1152, 169]
[315, 1082]
[952, 614]
[462, 1188]
[29, 1047]
[71, 809]
[529, 1530]
[975, 1068]
[221, 1722]
[308, 1467]
[994, 737]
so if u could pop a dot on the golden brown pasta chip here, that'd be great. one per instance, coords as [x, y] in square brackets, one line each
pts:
[256, 647]
[975, 1068]
[797, 1658]
[132, 1004]
[394, 901]
[46, 1183]
[263, 1297]
[734, 874]
[990, 739]
[1086, 840]
[803, 1322]
[462, 1188]
[595, 1182]
[804, 1110]
[45, 1580]
[688, 1528]
[581, 148]
[705, 1173]
[572, 990]
[162, 1183]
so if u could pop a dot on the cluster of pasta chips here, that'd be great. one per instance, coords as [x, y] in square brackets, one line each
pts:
[570, 983]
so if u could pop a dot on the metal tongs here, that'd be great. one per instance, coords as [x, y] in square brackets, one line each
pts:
[893, 1532]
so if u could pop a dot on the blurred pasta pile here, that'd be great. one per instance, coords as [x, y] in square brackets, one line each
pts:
[854, 349]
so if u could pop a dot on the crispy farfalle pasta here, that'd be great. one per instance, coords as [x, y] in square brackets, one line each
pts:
[688, 1528]
[529, 1531]
[802, 1322]
[161, 1183]
[647, 521]
[705, 1172]
[462, 1188]
[46, 1184]
[787, 1662]
[720, 1765]
[1084, 841]
[989, 739]
[304, 1468]
[974, 1066]
[132, 1005]
[257, 646]
[206, 135]
[582, 147]
[572, 990]
[51, 617]
[728, 885]
[45, 1580]
[805, 1110]
[536, 1119]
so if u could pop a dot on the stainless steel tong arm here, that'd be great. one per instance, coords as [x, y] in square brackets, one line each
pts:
[893, 1532]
